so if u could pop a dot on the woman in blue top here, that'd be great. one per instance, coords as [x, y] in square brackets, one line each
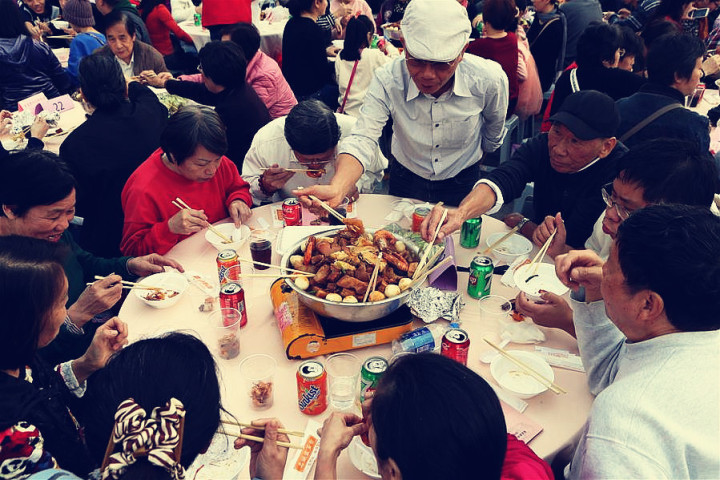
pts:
[79, 14]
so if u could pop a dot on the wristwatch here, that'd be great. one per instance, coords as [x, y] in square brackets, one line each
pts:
[521, 224]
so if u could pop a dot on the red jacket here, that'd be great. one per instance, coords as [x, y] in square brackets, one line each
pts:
[225, 12]
[160, 23]
[521, 463]
[147, 202]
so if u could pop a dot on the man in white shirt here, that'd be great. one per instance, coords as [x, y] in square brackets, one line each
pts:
[306, 138]
[648, 331]
[447, 109]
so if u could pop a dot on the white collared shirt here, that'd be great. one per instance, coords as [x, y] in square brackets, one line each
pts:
[269, 146]
[127, 68]
[435, 138]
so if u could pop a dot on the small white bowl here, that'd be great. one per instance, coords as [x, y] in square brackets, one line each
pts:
[60, 24]
[544, 279]
[515, 380]
[227, 229]
[169, 280]
[511, 248]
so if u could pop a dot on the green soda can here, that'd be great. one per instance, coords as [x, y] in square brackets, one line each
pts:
[372, 370]
[470, 233]
[197, 19]
[481, 272]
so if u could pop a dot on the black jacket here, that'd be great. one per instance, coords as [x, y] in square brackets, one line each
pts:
[240, 109]
[102, 154]
[305, 65]
[28, 67]
[576, 195]
[44, 403]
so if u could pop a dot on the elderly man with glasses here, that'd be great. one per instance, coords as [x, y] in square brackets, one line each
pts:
[447, 108]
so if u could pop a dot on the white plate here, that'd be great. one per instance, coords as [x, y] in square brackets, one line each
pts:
[170, 280]
[543, 279]
[363, 458]
[220, 462]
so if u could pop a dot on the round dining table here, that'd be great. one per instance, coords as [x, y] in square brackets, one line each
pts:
[560, 416]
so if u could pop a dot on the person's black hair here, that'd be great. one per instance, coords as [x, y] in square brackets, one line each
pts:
[298, 7]
[112, 3]
[12, 24]
[31, 286]
[670, 170]
[102, 82]
[406, 419]
[630, 42]
[356, 37]
[311, 128]
[599, 42]
[152, 371]
[247, 37]
[30, 178]
[224, 63]
[672, 250]
[118, 17]
[672, 55]
[147, 6]
[670, 8]
[714, 115]
[500, 14]
[657, 29]
[190, 126]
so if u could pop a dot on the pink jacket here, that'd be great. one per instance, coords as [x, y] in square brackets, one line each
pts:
[266, 78]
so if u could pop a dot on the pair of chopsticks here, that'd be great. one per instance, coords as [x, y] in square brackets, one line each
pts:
[528, 369]
[299, 272]
[427, 273]
[373, 278]
[328, 208]
[259, 439]
[500, 241]
[537, 260]
[178, 202]
[60, 37]
[131, 285]
[297, 433]
[298, 169]
[429, 246]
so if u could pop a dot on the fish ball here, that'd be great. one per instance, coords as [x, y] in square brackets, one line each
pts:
[334, 297]
[350, 299]
[302, 283]
[392, 290]
[404, 283]
[376, 296]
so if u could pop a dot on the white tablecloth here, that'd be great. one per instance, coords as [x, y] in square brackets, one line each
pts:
[270, 36]
[562, 416]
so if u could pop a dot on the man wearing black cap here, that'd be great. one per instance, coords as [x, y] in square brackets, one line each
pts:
[568, 165]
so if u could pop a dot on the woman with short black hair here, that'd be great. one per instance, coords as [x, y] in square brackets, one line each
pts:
[190, 164]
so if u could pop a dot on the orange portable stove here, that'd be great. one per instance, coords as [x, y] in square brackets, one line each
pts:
[306, 334]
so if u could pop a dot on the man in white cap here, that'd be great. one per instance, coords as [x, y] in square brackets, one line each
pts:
[447, 109]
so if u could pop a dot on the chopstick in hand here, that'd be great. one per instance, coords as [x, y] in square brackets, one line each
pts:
[432, 242]
[535, 263]
[258, 439]
[328, 208]
[297, 433]
[178, 202]
[527, 369]
[132, 284]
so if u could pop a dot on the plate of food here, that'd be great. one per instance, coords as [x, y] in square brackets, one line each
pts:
[161, 290]
[363, 458]
[531, 279]
[392, 31]
[220, 462]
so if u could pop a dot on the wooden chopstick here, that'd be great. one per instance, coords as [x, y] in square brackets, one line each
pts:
[259, 439]
[432, 242]
[527, 368]
[276, 266]
[298, 169]
[500, 241]
[297, 433]
[373, 279]
[535, 263]
[178, 202]
[279, 275]
[133, 284]
[328, 208]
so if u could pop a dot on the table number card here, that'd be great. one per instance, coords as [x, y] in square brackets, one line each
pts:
[60, 104]
[31, 104]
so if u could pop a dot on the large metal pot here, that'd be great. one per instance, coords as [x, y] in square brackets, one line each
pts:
[348, 312]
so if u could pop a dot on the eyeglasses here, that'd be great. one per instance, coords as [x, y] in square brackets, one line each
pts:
[199, 68]
[415, 64]
[607, 196]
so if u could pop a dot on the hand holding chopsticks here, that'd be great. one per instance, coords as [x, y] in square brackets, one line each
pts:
[187, 229]
[429, 246]
[328, 208]
[527, 369]
[267, 427]
[535, 263]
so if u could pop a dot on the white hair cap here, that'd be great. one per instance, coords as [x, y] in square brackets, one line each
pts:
[435, 30]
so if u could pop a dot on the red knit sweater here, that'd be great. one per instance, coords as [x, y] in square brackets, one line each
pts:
[147, 202]
[160, 23]
[505, 52]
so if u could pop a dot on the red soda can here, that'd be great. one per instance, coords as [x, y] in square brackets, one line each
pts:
[455, 345]
[418, 216]
[226, 259]
[232, 295]
[292, 212]
[312, 387]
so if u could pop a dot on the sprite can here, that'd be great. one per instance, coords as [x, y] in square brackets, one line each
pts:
[470, 233]
[481, 272]
[198, 19]
[372, 370]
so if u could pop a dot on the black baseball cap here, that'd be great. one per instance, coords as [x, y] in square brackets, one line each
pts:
[589, 114]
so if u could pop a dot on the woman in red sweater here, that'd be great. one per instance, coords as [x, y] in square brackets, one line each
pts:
[499, 43]
[189, 164]
[160, 23]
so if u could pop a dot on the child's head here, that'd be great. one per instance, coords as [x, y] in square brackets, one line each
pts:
[358, 35]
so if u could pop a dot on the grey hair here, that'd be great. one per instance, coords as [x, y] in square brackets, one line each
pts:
[311, 128]
[190, 126]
